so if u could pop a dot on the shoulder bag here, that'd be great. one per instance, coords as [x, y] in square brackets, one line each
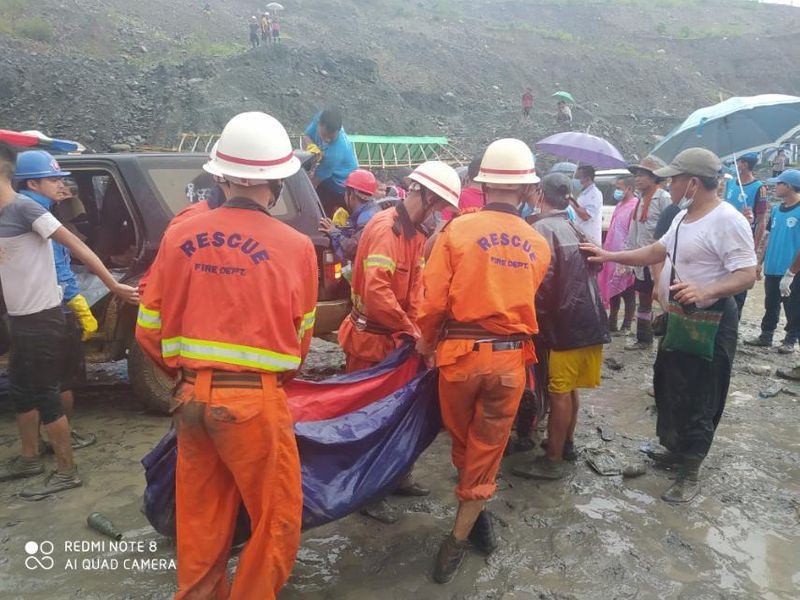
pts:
[690, 330]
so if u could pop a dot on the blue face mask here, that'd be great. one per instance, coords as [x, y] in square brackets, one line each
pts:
[577, 185]
[618, 195]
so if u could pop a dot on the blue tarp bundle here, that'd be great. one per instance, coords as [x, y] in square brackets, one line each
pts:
[347, 460]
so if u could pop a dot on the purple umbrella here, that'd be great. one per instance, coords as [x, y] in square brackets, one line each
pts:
[585, 148]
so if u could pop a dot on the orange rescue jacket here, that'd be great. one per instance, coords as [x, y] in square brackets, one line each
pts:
[387, 271]
[484, 269]
[234, 290]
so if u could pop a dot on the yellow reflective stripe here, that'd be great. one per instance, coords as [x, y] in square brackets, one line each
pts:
[379, 260]
[307, 323]
[232, 354]
[421, 262]
[147, 318]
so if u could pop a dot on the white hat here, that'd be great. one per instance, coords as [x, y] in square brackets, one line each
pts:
[439, 178]
[508, 162]
[253, 147]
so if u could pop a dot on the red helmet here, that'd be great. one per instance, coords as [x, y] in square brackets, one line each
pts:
[363, 181]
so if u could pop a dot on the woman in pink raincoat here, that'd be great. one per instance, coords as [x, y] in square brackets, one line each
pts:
[616, 281]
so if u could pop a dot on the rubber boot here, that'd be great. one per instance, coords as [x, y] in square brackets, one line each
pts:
[792, 374]
[644, 335]
[449, 559]
[409, 487]
[687, 485]
[381, 511]
[627, 319]
[764, 340]
[788, 344]
[482, 536]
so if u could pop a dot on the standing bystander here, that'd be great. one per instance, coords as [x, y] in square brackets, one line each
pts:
[570, 341]
[616, 281]
[779, 264]
[748, 195]
[652, 201]
[588, 206]
[36, 325]
[711, 258]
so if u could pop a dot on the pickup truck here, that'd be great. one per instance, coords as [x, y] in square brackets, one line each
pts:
[122, 207]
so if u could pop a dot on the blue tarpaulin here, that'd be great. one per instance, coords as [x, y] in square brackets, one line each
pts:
[349, 459]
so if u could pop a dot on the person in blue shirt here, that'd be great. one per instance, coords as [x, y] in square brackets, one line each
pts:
[747, 195]
[780, 262]
[326, 136]
[39, 177]
[360, 189]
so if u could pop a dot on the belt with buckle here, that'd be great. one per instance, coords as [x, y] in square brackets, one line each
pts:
[363, 324]
[228, 379]
[498, 346]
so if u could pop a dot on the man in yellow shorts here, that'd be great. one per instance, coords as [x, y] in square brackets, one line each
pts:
[573, 327]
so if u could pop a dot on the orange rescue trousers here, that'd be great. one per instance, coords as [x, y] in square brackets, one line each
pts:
[479, 393]
[234, 445]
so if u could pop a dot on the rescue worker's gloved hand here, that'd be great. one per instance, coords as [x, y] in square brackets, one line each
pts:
[83, 313]
[340, 217]
[786, 284]
[314, 149]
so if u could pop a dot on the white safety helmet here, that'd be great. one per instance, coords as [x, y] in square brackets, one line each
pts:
[439, 178]
[253, 148]
[508, 163]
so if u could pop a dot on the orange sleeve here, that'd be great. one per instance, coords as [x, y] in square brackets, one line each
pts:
[436, 279]
[415, 298]
[148, 320]
[380, 266]
[309, 304]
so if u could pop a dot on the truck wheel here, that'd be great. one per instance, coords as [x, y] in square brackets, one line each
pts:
[151, 386]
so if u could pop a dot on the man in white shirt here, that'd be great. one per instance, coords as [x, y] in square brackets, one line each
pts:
[589, 205]
[37, 329]
[710, 258]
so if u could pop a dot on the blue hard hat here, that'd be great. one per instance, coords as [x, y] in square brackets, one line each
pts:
[789, 177]
[37, 164]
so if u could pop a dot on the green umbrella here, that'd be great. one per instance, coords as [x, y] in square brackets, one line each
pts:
[566, 96]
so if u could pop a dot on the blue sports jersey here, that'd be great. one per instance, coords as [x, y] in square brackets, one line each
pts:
[737, 199]
[784, 240]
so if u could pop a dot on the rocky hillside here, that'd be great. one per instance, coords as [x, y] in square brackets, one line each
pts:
[115, 71]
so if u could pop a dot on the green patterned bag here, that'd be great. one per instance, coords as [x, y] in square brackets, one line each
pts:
[689, 329]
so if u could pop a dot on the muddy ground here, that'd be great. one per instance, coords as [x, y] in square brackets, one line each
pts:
[585, 537]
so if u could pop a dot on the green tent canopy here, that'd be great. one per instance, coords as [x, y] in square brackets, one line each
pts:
[384, 152]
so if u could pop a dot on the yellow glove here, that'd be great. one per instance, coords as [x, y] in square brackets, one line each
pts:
[340, 217]
[313, 148]
[80, 307]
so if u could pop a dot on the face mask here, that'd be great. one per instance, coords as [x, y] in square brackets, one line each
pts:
[618, 195]
[576, 185]
[686, 201]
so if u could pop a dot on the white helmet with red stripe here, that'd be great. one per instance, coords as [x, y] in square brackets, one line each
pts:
[507, 162]
[253, 148]
[439, 178]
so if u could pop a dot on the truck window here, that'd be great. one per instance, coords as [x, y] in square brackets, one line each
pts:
[180, 187]
[97, 212]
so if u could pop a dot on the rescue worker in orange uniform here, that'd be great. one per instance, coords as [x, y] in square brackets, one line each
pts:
[387, 271]
[229, 308]
[387, 286]
[480, 284]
